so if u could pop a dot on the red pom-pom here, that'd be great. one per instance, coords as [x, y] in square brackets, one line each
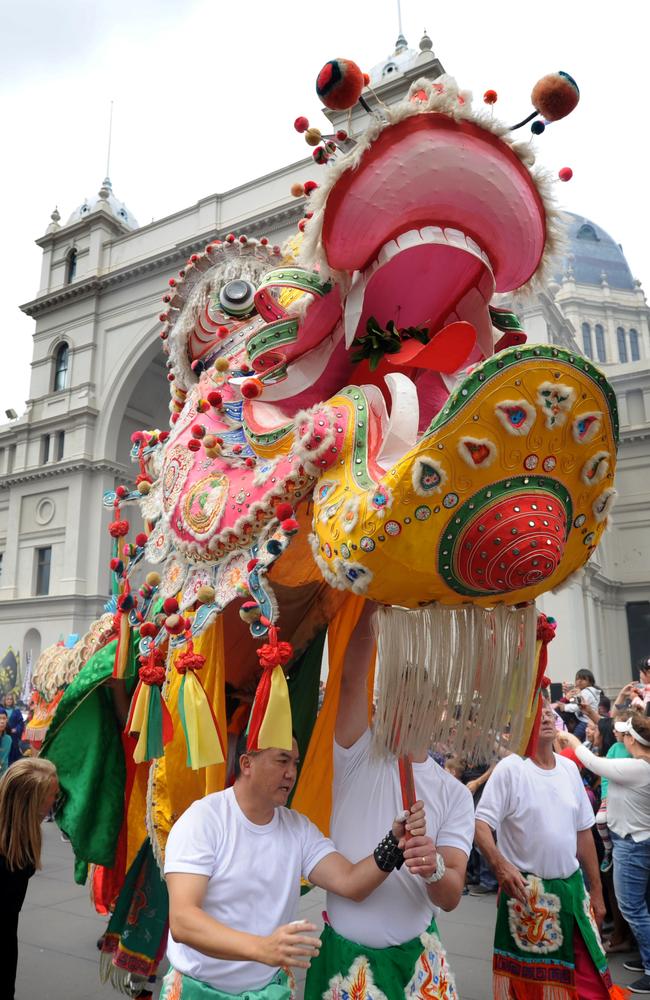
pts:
[193, 444]
[490, 97]
[198, 430]
[137, 437]
[116, 565]
[174, 418]
[148, 629]
[215, 399]
[301, 124]
[230, 238]
[283, 511]
[302, 224]
[152, 673]
[565, 174]
[310, 186]
[141, 539]
[174, 624]
[202, 407]
[223, 332]
[341, 135]
[117, 529]
[170, 607]
[189, 661]
[251, 388]
[264, 241]
[320, 156]
[237, 449]
[172, 282]
[289, 526]
[250, 463]
[251, 564]
[339, 84]
[162, 437]
[122, 492]
[170, 377]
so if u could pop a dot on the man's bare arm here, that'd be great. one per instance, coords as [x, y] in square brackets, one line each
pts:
[352, 717]
[508, 876]
[192, 926]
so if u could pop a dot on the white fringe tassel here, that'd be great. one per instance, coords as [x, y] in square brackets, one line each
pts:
[455, 677]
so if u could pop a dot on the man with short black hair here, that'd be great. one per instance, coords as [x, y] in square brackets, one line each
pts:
[233, 866]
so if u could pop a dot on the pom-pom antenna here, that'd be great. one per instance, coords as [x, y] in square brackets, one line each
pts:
[554, 97]
[339, 84]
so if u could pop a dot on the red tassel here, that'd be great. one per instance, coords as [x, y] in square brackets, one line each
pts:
[545, 633]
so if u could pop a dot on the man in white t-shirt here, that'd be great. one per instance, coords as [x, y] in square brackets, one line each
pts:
[389, 938]
[547, 925]
[233, 865]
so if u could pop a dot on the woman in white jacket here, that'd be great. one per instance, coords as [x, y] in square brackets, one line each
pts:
[628, 818]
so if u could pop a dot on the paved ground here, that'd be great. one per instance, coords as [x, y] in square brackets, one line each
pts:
[58, 959]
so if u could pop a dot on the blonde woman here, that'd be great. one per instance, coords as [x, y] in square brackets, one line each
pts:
[27, 793]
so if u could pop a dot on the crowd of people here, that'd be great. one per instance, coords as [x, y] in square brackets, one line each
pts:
[563, 834]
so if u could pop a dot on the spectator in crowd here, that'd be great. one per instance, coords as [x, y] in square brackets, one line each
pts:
[5, 744]
[628, 819]
[545, 933]
[28, 791]
[604, 706]
[15, 726]
[642, 691]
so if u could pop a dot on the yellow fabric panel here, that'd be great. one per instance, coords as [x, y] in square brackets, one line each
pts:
[313, 795]
[204, 745]
[136, 825]
[139, 723]
[276, 729]
[174, 785]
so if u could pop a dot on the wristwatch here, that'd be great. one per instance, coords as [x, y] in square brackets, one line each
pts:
[439, 872]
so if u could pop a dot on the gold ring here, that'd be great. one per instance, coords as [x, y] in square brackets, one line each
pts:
[424, 861]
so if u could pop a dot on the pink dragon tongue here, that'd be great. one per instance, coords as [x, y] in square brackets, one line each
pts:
[429, 170]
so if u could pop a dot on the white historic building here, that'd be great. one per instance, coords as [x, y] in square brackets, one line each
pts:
[98, 374]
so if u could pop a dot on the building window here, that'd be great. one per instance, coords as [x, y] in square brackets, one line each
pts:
[45, 449]
[601, 352]
[587, 232]
[60, 445]
[43, 563]
[61, 362]
[11, 457]
[586, 340]
[71, 267]
[622, 345]
[634, 346]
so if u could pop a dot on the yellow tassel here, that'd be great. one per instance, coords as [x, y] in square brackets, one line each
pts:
[276, 729]
[204, 744]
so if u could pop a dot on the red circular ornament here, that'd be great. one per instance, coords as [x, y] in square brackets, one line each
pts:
[301, 124]
[565, 174]
[490, 97]
[339, 84]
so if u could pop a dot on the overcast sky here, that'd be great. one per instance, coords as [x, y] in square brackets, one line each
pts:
[206, 92]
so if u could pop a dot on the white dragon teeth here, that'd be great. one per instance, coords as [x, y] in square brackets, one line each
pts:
[421, 237]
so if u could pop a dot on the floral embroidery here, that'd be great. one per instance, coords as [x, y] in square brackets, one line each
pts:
[589, 913]
[432, 978]
[381, 500]
[357, 985]
[535, 926]
[516, 415]
[203, 504]
[555, 401]
[175, 470]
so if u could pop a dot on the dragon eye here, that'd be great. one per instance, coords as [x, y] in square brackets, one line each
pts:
[237, 297]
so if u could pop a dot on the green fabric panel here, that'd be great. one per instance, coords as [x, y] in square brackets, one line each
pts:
[154, 724]
[139, 921]
[192, 989]
[573, 907]
[303, 681]
[84, 744]
[392, 968]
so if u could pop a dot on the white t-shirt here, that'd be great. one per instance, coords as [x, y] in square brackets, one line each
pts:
[536, 814]
[254, 879]
[366, 799]
[591, 697]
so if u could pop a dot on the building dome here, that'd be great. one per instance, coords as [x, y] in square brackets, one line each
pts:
[593, 256]
[395, 63]
[106, 198]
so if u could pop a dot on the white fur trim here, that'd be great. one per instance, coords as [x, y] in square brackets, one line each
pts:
[419, 473]
[312, 457]
[465, 451]
[516, 404]
[555, 401]
[599, 463]
[592, 430]
[603, 504]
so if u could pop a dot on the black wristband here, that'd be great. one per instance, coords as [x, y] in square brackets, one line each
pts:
[387, 854]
